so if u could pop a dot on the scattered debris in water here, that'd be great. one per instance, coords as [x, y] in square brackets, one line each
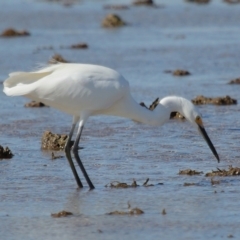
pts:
[10, 32]
[34, 104]
[180, 72]
[189, 184]
[217, 101]
[5, 153]
[214, 182]
[112, 21]
[164, 212]
[52, 141]
[61, 214]
[116, 7]
[189, 172]
[232, 171]
[55, 157]
[230, 236]
[116, 184]
[235, 81]
[79, 46]
[145, 184]
[131, 211]
[56, 59]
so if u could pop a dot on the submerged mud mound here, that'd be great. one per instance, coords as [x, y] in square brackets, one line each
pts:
[10, 32]
[5, 153]
[51, 141]
[217, 101]
[232, 171]
[112, 21]
[34, 104]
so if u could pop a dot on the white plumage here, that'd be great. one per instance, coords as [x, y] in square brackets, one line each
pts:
[84, 90]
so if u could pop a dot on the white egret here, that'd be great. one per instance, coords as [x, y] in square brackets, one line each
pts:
[84, 90]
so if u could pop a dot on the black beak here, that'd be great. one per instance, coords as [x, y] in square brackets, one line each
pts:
[207, 139]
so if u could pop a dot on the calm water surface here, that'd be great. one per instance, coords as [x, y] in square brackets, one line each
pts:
[203, 39]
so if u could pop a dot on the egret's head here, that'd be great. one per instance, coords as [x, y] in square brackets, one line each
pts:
[192, 114]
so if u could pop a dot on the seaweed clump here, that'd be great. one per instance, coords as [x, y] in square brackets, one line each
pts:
[10, 32]
[34, 104]
[189, 172]
[51, 141]
[232, 171]
[217, 101]
[131, 211]
[61, 214]
[237, 80]
[56, 59]
[143, 2]
[180, 72]
[116, 184]
[5, 153]
[112, 21]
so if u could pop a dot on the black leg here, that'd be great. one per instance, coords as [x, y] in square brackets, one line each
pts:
[75, 152]
[69, 158]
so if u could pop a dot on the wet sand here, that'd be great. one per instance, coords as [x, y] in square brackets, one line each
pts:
[202, 39]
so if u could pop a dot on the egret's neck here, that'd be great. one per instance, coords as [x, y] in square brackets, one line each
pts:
[129, 108]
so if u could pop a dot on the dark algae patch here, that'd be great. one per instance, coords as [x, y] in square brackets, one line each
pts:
[199, 100]
[5, 153]
[189, 172]
[112, 21]
[52, 141]
[231, 171]
[61, 214]
[10, 32]
[34, 104]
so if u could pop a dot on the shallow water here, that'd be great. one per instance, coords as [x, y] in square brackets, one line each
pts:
[204, 39]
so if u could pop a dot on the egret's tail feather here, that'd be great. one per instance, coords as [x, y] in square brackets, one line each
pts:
[22, 83]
